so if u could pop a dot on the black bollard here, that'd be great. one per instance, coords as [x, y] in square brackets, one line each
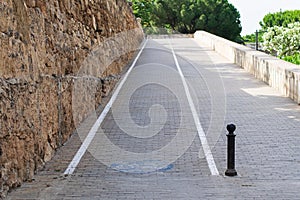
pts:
[231, 151]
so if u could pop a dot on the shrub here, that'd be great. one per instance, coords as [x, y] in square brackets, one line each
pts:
[285, 41]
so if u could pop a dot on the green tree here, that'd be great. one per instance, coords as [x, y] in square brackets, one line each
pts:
[280, 19]
[143, 9]
[221, 18]
[165, 13]
[186, 16]
[251, 38]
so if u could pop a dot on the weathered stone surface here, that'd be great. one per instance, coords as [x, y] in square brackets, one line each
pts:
[45, 46]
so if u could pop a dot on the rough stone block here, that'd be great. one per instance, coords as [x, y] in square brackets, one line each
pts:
[44, 45]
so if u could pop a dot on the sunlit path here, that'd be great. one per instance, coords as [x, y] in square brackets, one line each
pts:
[164, 136]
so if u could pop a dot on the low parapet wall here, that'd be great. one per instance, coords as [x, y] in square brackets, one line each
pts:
[279, 74]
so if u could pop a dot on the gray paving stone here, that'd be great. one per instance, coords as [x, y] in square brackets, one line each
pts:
[267, 142]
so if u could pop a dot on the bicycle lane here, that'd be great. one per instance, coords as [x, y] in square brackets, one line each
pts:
[148, 139]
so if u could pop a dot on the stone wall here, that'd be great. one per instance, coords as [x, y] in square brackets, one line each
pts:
[45, 46]
[279, 74]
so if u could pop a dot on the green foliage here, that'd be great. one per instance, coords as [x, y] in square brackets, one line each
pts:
[282, 38]
[251, 38]
[285, 41]
[280, 19]
[186, 16]
[143, 9]
[220, 18]
[293, 59]
[274, 19]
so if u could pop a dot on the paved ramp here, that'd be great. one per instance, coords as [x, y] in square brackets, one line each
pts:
[162, 135]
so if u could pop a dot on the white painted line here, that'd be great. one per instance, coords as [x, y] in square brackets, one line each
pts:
[72, 166]
[207, 152]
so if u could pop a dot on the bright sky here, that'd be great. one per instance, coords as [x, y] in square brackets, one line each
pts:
[253, 11]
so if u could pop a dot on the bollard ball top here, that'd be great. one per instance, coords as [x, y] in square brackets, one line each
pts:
[231, 128]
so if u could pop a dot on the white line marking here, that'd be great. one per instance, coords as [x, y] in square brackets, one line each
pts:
[72, 166]
[208, 155]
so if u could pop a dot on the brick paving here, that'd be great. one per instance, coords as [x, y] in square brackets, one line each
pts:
[151, 112]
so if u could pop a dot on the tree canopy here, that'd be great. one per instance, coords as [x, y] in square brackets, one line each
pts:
[143, 9]
[186, 16]
[280, 19]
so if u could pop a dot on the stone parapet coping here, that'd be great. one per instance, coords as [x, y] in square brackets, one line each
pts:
[279, 74]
